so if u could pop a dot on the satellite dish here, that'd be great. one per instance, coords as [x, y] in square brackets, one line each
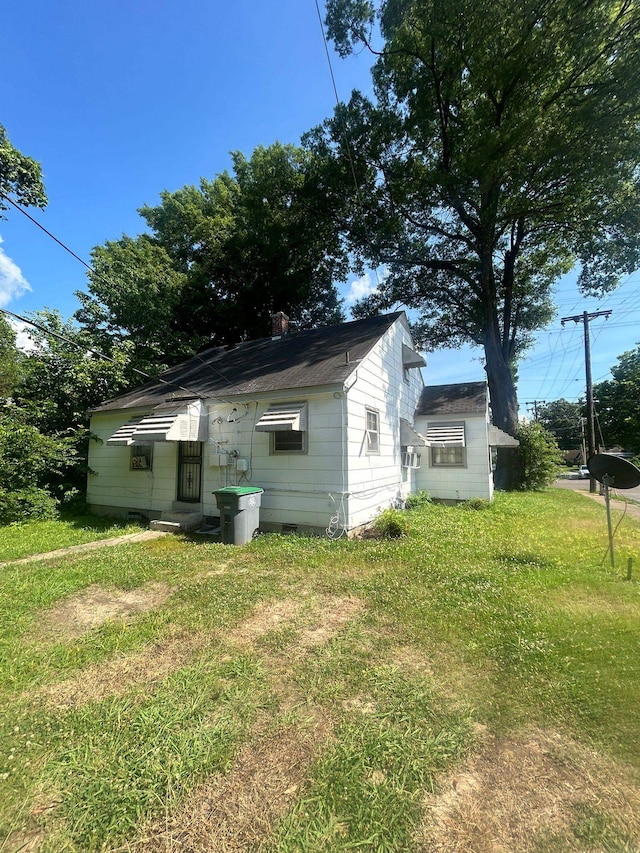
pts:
[613, 471]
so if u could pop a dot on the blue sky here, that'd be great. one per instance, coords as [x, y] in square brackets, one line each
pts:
[121, 100]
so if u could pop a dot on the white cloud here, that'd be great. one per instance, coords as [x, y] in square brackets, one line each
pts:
[12, 282]
[362, 287]
[24, 341]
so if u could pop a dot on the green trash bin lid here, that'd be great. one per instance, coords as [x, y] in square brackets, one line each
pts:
[238, 490]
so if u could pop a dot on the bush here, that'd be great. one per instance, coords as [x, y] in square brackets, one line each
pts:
[476, 503]
[390, 524]
[26, 505]
[34, 468]
[417, 499]
[539, 457]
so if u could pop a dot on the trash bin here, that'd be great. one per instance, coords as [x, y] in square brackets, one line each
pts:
[239, 513]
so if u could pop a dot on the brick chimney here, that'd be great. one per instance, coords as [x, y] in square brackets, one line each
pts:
[279, 325]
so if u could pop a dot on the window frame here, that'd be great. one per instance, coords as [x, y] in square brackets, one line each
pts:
[457, 464]
[372, 448]
[274, 450]
[144, 451]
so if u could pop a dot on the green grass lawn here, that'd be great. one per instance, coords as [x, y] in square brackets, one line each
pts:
[475, 683]
[37, 537]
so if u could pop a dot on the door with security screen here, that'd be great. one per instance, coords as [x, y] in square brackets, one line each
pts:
[189, 471]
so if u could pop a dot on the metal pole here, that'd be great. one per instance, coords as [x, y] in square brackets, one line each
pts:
[591, 425]
[591, 420]
[605, 482]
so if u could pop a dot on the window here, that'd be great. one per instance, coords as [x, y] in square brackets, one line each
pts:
[453, 455]
[372, 431]
[141, 458]
[289, 441]
[448, 444]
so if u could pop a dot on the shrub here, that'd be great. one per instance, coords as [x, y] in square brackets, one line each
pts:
[390, 524]
[417, 499]
[539, 457]
[476, 503]
[34, 468]
[26, 505]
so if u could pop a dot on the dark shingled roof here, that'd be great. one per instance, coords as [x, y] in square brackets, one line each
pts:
[462, 398]
[298, 360]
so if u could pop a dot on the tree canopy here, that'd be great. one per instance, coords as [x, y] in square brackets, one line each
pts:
[220, 259]
[618, 403]
[499, 150]
[20, 176]
[564, 420]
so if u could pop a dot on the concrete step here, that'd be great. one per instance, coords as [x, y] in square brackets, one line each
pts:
[165, 526]
[177, 521]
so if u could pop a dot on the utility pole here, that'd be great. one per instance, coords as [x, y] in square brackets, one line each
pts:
[586, 318]
[535, 404]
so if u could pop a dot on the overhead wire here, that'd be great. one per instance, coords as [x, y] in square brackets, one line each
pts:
[102, 355]
[98, 353]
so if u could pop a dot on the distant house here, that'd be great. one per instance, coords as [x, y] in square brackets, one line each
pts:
[335, 424]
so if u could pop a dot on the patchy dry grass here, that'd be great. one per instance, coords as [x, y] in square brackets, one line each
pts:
[92, 607]
[474, 686]
[532, 791]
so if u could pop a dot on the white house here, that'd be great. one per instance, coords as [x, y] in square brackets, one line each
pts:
[334, 424]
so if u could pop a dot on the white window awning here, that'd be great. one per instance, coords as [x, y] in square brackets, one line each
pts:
[410, 358]
[123, 437]
[409, 435]
[449, 434]
[499, 438]
[284, 417]
[173, 421]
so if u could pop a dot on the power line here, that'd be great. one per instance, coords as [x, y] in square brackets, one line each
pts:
[48, 233]
[98, 354]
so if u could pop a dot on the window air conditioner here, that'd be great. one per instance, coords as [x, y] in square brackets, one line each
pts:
[139, 462]
[410, 460]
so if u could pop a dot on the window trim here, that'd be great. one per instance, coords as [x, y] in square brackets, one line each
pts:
[288, 451]
[460, 447]
[141, 451]
[368, 433]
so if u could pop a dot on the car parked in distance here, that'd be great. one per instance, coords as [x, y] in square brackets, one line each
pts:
[583, 473]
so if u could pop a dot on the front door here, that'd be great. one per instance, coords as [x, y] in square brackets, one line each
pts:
[189, 471]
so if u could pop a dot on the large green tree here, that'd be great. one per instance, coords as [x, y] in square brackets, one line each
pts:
[220, 259]
[61, 376]
[618, 403]
[20, 177]
[9, 359]
[499, 149]
[564, 420]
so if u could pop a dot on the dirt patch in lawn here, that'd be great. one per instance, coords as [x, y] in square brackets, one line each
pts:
[316, 621]
[237, 812]
[24, 842]
[267, 616]
[119, 675]
[95, 605]
[332, 615]
[531, 792]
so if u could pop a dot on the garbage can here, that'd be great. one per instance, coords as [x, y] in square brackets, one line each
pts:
[239, 513]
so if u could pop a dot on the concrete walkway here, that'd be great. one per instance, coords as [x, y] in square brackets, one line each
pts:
[617, 499]
[143, 536]
[617, 504]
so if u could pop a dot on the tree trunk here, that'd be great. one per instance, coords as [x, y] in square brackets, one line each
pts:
[504, 409]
